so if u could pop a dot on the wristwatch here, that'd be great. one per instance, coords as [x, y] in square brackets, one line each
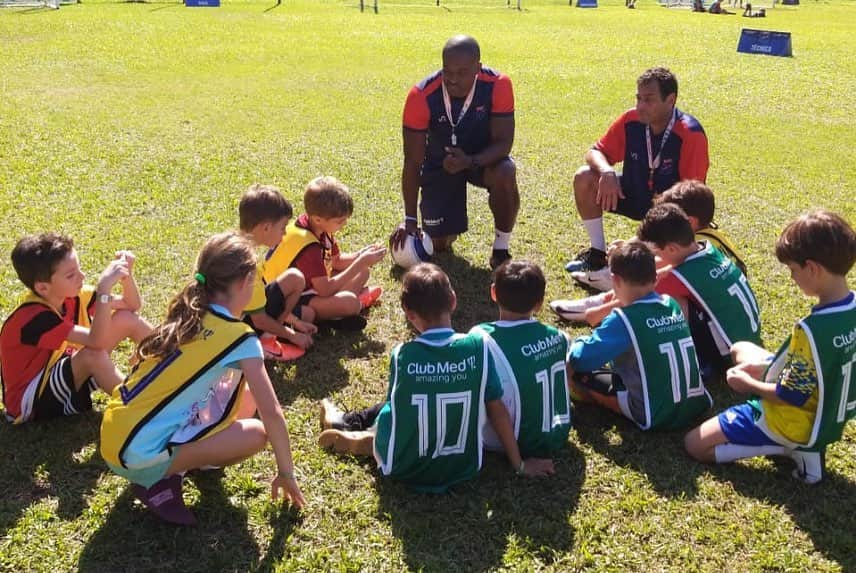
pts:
[105, 298]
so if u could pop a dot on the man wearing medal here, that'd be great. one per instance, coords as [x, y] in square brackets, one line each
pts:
[658, 144]
[459, 129]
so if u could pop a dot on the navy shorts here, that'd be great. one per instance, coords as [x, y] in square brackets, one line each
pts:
[444, 200]
[636, 202]
[60, 397]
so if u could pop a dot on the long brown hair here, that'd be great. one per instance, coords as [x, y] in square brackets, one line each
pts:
[224, 259]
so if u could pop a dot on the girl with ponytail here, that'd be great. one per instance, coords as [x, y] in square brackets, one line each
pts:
[191, 399]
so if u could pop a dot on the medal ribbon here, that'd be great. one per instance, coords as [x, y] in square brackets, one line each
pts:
[448, 103]
[654, 162]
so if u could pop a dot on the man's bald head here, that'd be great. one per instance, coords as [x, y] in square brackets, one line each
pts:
[463, 45]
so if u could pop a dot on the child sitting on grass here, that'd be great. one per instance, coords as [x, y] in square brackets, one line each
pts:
[335, 281]
[273, 311]
[55, 345]
[654, 378]
[697, 201]
[531, 358]
[191, 401]
[442, 385]
[807, 390]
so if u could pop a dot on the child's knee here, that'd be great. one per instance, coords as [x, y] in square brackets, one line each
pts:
[257, 437]
[350, 303]
[291, 281]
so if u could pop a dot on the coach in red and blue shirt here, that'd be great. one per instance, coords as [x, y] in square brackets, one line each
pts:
[658, 145]
[459, 129]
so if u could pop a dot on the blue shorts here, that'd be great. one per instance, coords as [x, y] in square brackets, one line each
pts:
[739, 425]
[636, 202]
[149, 475]
[444, 200]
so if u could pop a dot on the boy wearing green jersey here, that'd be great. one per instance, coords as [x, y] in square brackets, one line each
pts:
[713, 292]
[531, 358]
[654, 376]
[443, 387]
[807, 390]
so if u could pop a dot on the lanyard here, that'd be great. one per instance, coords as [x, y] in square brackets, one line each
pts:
[654, 162]
[448, 103]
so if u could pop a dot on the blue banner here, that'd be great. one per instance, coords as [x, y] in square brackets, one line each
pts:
[765, 42]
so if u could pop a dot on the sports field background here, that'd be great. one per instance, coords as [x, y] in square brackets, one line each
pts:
[138, 125]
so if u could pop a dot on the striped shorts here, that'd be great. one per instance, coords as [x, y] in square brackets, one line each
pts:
[60, 397]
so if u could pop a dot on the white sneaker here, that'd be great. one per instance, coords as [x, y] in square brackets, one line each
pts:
[575, 310]
[809, 466]
[600, 279]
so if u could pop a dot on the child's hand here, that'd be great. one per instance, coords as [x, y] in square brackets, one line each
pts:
[129, 258]
[739, 380]
[115, 271]
[754, 369]
[538, 467]
[305, 327]
[288, 485]
[374, 254]
[300, 339]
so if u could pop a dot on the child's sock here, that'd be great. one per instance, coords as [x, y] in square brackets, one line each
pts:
[726, 453]
[594, 228]
[501, 239]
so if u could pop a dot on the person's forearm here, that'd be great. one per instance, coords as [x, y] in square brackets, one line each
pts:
[266, 323]
[328, 286]
[764, 390]
[410, 187]
[496, 151]
[597, 161]
[501, 422]
[131, 294]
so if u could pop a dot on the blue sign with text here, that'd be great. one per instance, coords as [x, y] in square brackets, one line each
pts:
[765, 42]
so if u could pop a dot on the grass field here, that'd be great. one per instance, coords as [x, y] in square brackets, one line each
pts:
[138, 125]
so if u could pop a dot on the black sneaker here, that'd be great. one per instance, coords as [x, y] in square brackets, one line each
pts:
[590, 259]
[498, 256]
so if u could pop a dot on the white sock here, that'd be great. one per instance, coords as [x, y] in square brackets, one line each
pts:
[725, 453]
[594, 228]
[501, 239]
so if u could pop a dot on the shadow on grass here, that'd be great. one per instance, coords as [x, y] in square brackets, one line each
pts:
[823, 511]
[321, 372]
[131, 539]
[472, 287]
[471, 527]
[39, 462]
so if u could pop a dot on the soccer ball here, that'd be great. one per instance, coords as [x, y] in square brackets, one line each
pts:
[413, 251]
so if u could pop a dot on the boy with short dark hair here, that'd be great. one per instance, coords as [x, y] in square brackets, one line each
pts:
[654, 378]
[697, 201]
[442, 386]
[531, 358]
[55, 346]
[274, 310]
[714, 293]
[807, 390]
[335, 281]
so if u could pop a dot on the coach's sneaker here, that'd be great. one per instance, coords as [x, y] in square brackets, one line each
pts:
[590, 259]
[165, 501]
[497, 257]
[575, 310]
[809, 466]
[599, 280]
[332, 418]
[358, 443]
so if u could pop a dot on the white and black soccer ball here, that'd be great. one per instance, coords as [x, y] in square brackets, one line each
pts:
[413, 251]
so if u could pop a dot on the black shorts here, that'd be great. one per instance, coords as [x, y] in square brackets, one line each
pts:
[604, 382]
[60, 397]
[636, 202]
[275, 305]
[444, 200]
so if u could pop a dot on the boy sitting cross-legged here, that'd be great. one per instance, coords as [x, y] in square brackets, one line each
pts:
[335, 281]
[442, 387]
[715, 295]
[698, 202]
[274, 311]
[807, 390]
[55, 346]
[531, 358]
[654, 377]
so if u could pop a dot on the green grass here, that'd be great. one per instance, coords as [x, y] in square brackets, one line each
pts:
[138, 125]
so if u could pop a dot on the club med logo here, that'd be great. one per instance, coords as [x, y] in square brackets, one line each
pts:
[844, 340]
[717, 272]
[417, 369]
[542, 345]
[665, 320]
